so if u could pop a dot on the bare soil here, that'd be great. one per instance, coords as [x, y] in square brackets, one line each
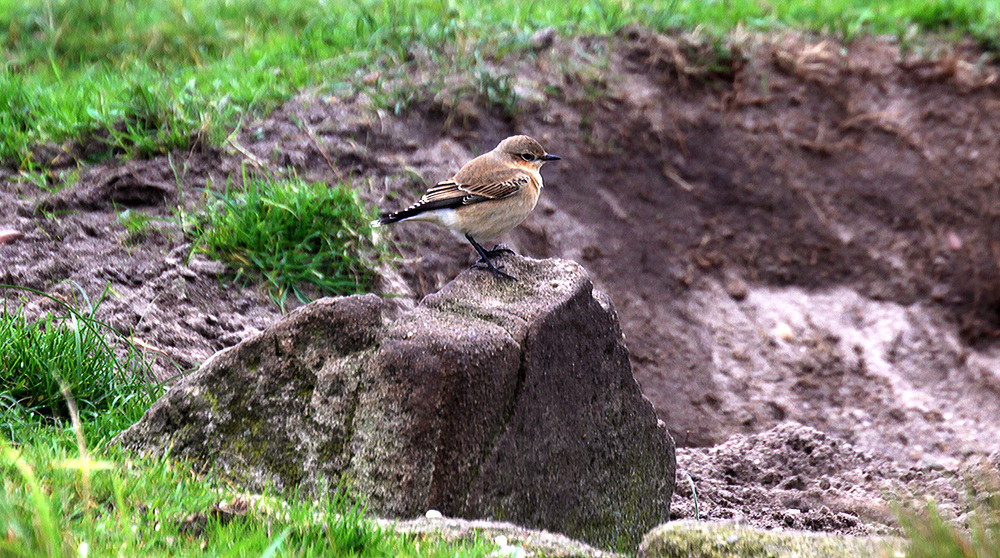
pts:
[802, 239]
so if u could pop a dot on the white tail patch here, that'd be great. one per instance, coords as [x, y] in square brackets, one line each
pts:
[443, 217]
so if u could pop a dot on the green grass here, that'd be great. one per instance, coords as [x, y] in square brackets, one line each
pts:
[300, 238]
[138, 226]
[122, 77]
[43, 361]
[54, 503]
[933, 535]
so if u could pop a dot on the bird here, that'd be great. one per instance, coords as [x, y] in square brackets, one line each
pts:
[487, 197]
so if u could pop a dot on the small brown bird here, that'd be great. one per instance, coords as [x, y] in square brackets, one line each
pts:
[488, 196]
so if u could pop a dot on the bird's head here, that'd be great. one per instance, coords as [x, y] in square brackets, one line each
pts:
[524, 152]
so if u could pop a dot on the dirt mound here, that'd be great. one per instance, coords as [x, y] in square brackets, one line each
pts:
[797, 477]
[791, 229]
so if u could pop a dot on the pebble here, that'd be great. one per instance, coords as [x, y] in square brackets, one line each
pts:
[736, 288]
[783, 332]
[8, 236]
[543, 38]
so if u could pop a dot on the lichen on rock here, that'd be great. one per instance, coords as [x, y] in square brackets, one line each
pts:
[706, 539]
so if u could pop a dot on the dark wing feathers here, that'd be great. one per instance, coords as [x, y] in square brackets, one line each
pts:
[482, 179]
[465, 188]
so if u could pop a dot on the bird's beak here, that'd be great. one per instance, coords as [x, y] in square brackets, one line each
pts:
[550, 157]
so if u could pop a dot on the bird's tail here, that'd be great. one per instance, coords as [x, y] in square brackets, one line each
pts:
[385, 219]
[414, 210]
[422, 208]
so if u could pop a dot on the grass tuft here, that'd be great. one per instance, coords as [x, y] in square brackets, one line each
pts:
[138, 226]
[300, 238]
[18, 113]
[496, 91]
[933, 534]
[41, 360]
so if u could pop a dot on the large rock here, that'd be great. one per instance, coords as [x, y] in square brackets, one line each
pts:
[491, 399]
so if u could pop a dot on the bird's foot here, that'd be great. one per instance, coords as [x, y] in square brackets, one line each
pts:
[484, 258]
[488, 265]
[499, 249]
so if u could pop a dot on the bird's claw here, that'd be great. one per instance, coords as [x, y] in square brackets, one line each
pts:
[492, 268]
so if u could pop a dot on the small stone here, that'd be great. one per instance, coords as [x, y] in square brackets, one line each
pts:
[206, 267]
[736, 288]
[897, 414]
[954, 241]
[939, 292]
[783, 332]
[543, 39]
[433, 514]
[8, 236]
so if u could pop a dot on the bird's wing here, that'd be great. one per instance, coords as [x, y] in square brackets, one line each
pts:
[474, 187]
[478, 181]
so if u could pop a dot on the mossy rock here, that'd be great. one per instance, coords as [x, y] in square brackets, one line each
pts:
[701, 539]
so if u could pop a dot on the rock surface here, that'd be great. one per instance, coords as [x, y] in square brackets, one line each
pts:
[694, 539]
[505, 400]
[507, 536]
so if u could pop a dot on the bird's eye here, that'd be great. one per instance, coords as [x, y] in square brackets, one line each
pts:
[528, 157]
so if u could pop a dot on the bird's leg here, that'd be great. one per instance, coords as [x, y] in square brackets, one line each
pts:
[484, 259]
